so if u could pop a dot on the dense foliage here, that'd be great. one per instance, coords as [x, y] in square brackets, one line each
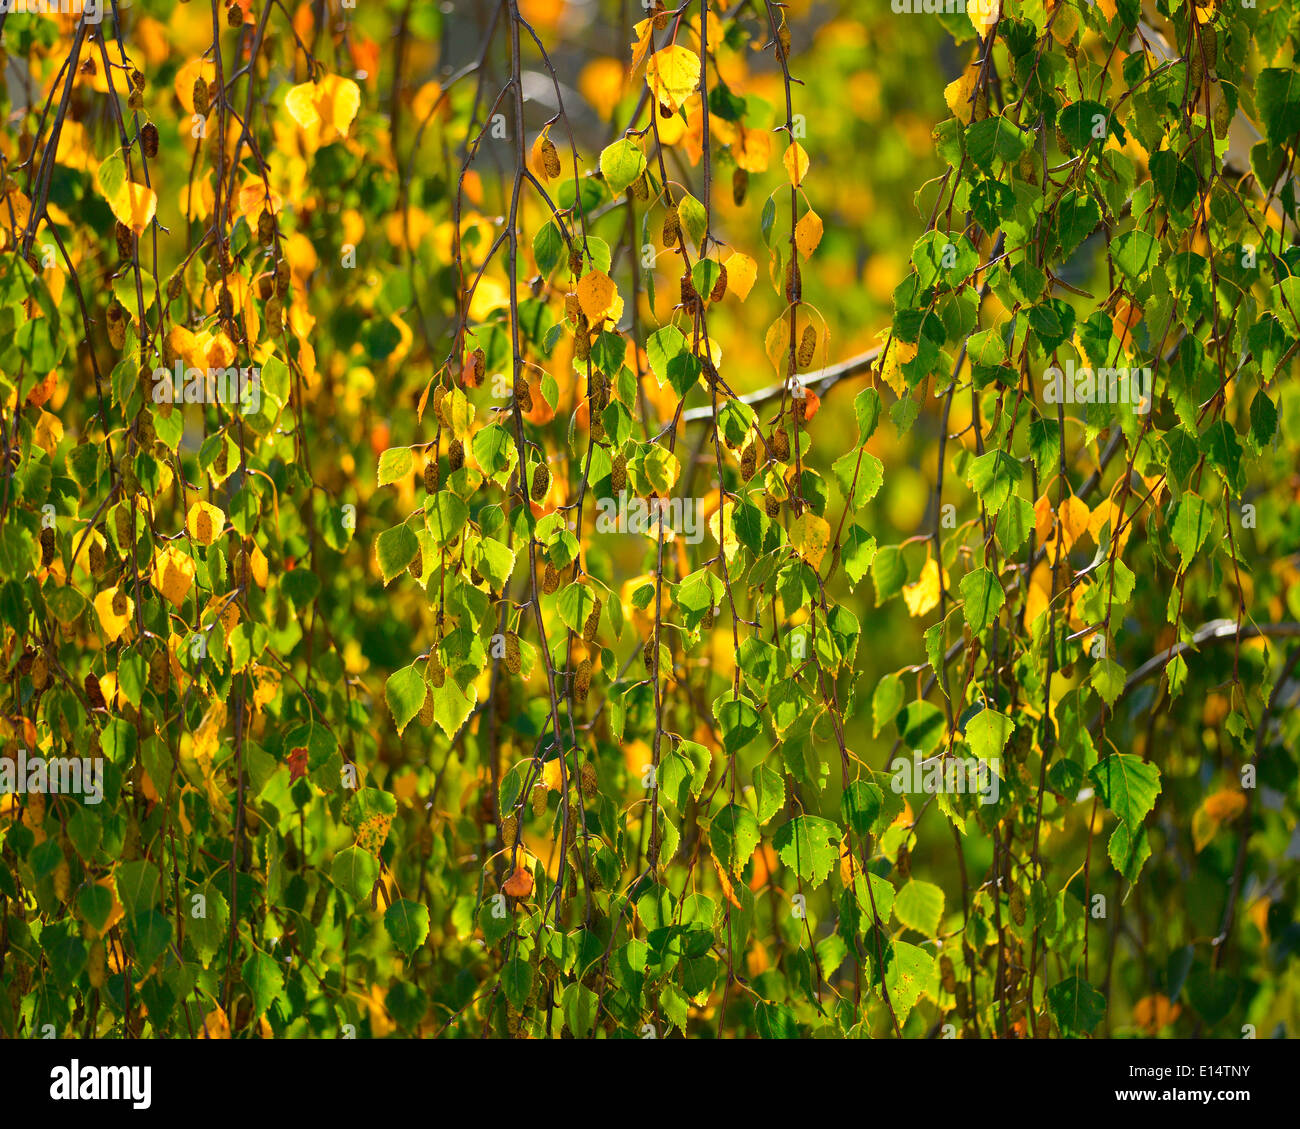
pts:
[575, 518]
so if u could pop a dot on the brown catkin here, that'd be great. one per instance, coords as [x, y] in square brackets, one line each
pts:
[648, 653]
[540, 795]
[582, 345]
[477, 368]
[719, 290]
[455, 455]
[523, 397]
[550, 579]
[416, 567]
[780, 444]
[431, 475]
[640, 188]
[513, 657]
[541, 482]
[266, 228]
[672, 228]
[509, 829]
[434, 672]
[94, 693]
[119, 602]
[592, 625]
[904, 861]
[97, 560]
[739, 186]
[158, 672]
[225, 304]
[618, 474]
[149, 140]
[174, 285]
[47, 547]
[947, 977]
[572, 308]
[116, 326]
[550, 159]
[582, 680]
[590, 784]
[200, 96]
[807, 346]
[749, 461]
[1017, 904]
[122, 520]
[282, 278]
[428, 708]
[40, 671]
[689, 294]
[235, 16]
[772, 504]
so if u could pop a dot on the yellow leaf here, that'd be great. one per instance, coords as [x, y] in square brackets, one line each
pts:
[1226, 805]
[183, 84]
[811, 535]
[258, 566]
[721, 525]
[113, 624]
[796, 164]
[644, 31]
[753, 150]
[808, 233]
[1075, 517]
[215, 1025]
[741, 272]
[205, 522]
[1153, 1012]
[49, 432]
[173, 573]
[603, 82]
[958, 94]
[673, 75]
[1109, 9]
[596, 294]
[266, 684]
[329, 106]
[134, 205]
[922, 596]
[897, 354]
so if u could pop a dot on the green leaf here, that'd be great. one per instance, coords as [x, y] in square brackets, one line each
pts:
[1192, 520]
[982, 598]
[987, 733]
[1128, 786]
[866, 407]
[138, 886]
[810, 846]
[769, 792]
[1277, 97]
[395, 549]
[733, 835]
[264, 981]
[919, 906]
[407, 923]
[885, 701]
[516, 980]
[395, 463]
[405, 692]
[621, 164]
[1076, 1005]
[994, 476]
[738, 719]
[354, 871]
[996, 139]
